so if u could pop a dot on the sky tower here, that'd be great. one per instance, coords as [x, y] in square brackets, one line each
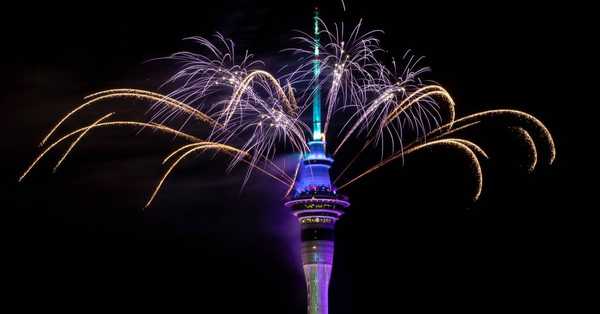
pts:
[314, 200]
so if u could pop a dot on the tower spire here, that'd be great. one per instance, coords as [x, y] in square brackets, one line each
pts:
[317, 135]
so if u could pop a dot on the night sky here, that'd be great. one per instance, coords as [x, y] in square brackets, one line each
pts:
[411, 242]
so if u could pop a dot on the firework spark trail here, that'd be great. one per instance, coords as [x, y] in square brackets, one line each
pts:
[426, 91]
[109, 94]
[265, 133]
[469, 121]
[348, 66]
[79, 139]
[267, 126]
[465, 146]
[355, 67]
[244, 86]
[287, 179]
[207, 145]
[158, 99]
[360, 121]
[460, 144]
[178, 160]
[530, 144]
[182, 148]
[368, 142]
[271, 164]
[472, 146]
[349, 164]
[203, 75]
[105, 124]
[291, 186]
[529, 120]
[411, 100]
[268, 121]
[453, 130]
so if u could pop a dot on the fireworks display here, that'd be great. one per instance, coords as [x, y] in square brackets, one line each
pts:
[253, 115]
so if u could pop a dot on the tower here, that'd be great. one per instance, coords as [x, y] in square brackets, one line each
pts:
[316, 204]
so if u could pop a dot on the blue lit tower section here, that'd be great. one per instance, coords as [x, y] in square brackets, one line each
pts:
[317, 205]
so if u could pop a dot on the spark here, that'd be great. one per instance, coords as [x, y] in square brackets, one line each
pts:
[424, 92]
[471, 146]
[529, 121]
[411, 100]
[245, 154]
[291, 185]
[81, 135]
[108, 94]
[466, 147]
[182, 148]
[461, 144]
[104, 124]
[244, 86]
[215, 146]
[530, 144]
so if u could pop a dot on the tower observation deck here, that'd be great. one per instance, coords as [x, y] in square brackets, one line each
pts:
[316, 204]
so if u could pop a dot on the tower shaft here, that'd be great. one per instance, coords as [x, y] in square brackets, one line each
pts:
[317, 261]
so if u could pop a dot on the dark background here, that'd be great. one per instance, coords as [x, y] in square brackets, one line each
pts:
[412, 241]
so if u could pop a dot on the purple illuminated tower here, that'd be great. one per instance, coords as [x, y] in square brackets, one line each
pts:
[317, 205]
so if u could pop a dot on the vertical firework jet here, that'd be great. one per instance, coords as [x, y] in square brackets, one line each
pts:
[316, 203]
